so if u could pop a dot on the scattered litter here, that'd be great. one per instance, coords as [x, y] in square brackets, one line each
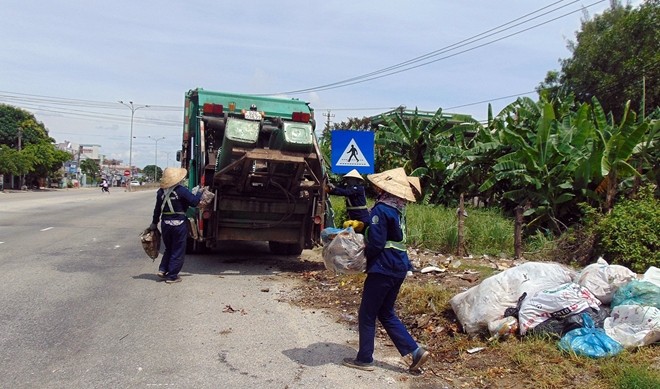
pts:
[430, 269]
[475, 350]
[502, 328]
[230, 309]
[469, 277]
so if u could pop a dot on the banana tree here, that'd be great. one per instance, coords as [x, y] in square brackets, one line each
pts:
[452, 166]
[537, 168]
[615, 146]
[403, 142]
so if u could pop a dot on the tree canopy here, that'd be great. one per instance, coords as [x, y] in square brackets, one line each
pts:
[38, 156]
[616, 58]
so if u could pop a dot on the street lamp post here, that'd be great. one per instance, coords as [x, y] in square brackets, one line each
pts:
[156, 157]
[133, 108]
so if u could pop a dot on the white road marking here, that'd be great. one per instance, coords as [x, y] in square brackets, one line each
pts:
[2, 242]
[48, 228]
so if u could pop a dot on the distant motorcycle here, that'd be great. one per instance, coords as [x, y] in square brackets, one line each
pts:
[104, 187]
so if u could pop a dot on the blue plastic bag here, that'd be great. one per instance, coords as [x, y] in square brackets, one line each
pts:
[329, 233]
[637, 293]
[589, 341]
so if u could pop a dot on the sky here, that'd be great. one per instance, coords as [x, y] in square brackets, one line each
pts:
[69, 62]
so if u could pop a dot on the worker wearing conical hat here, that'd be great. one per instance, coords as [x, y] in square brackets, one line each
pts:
[172, 202]
[387, 266]
[355, 197]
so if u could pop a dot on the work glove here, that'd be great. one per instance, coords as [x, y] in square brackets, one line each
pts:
[153, 226]
[195, 190]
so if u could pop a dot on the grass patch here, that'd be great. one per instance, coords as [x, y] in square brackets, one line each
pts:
[435, 228]
[420, 298]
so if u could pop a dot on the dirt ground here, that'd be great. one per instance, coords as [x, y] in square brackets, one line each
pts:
[451, 364]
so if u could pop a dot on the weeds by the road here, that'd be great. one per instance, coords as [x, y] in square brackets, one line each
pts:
[423, 305]
[517, 362]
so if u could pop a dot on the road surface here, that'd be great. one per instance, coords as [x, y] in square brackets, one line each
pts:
[83, 308]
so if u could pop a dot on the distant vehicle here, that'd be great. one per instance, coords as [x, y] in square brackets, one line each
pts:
[260, 157]
[135, 183]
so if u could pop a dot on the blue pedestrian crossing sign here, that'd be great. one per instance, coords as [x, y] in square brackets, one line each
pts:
[352, 150]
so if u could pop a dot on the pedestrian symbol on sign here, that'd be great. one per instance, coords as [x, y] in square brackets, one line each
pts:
[352, 156]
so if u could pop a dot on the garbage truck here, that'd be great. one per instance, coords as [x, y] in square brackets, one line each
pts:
[260, 157]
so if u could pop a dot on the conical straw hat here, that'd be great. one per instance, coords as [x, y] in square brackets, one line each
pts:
[394, 182]
[172, 176]
[416, 183]
[353, 174]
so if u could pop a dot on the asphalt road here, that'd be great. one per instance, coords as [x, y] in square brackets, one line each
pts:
[81, 307]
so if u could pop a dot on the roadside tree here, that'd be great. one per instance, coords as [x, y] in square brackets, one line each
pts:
[149, 172]
[616, 57]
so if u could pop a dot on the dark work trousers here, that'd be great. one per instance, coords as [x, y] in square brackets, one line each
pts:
[378, 297]
[174, 238]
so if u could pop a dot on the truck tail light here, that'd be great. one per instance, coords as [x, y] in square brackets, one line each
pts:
[212, 109]
[206, 215]
[302, 117]
[317, 219]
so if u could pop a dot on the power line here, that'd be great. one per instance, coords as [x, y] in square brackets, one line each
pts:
[65, 107]
[404, 66]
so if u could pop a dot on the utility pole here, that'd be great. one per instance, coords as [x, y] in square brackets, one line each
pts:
[156, 157]
[78, 175]
[133, 108]
[328, 115]
[20, 177]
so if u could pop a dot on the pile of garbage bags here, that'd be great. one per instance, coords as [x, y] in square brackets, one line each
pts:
[596, 312]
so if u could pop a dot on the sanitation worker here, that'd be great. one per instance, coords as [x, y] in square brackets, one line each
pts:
[172, 201]
[352, 188]
[387, 266]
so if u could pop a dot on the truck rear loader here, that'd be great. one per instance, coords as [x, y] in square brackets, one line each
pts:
[260, 157]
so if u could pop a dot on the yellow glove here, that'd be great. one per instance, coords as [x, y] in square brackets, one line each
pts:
[357, 225]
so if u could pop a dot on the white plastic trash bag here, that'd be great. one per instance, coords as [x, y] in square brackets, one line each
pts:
[633, 325]
[554, 303]
[344, 254]
[603, 279]
[652, 275]
[486, 302]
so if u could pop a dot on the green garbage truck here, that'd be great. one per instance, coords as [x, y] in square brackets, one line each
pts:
[260, 157]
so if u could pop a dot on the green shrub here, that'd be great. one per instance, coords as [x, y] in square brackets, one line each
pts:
[630, 234]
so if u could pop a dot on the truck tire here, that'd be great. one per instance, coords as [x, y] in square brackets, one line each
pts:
[281, 248]
[195, 247]
[294, 248]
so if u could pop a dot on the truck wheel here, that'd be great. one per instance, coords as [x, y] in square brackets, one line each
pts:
[277, 248]
[294, 248]
[195, 247]
[281, 248]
